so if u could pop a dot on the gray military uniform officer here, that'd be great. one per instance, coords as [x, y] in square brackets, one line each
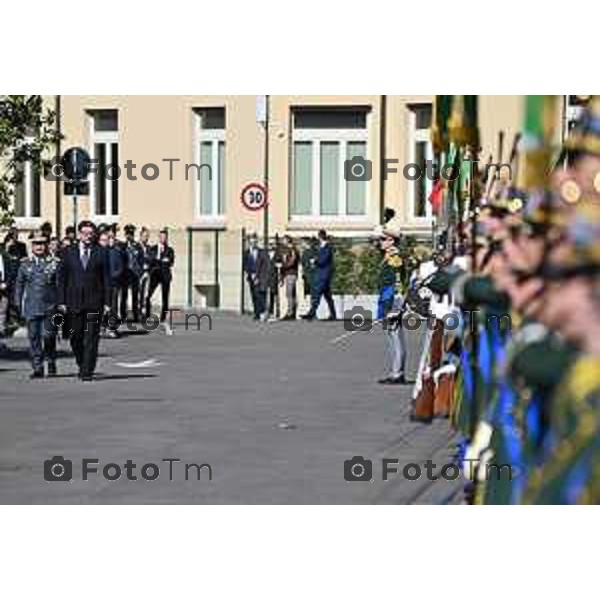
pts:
[36, 295]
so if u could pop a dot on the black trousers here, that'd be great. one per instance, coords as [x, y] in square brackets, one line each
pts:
[165, 288]
[131, 282]
[85, 336]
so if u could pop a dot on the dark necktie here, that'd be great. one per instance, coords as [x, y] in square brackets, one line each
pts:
[85, 259]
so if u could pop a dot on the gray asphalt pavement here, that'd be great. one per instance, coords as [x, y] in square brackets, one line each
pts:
[274, 409]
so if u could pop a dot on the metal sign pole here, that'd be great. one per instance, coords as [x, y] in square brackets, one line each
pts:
[266, 173]
[75, 216]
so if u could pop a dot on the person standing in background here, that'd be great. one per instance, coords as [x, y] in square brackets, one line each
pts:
[162, 257]
[15, 248]
[54, 247]
[5, 273]
[132, 271]
[106, 240]
[289, 277]
[274, 279]
[324, 264]
[144, 300]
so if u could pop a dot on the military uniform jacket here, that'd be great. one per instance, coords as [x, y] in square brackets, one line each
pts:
[36, 292]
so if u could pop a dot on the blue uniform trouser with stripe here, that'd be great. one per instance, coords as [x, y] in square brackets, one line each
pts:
[42, 340]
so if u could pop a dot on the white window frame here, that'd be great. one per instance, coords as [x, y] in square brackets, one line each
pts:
[416, 136]
[107, 138]
[215, 136]
[342, 137]
[28, 219]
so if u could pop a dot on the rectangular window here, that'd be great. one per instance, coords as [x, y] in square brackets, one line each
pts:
[420, 151]
[324, 139]
[104, 188]
[27, 202]
[209, 143]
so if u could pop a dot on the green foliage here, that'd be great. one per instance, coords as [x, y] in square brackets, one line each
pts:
[369, 270]
[344, 278]
[358, 265]
[27, 131]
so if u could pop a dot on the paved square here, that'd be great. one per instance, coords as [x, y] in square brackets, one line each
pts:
[275, 409]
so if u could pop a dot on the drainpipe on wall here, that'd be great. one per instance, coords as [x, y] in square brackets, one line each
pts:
[382, 154]
[58, 150]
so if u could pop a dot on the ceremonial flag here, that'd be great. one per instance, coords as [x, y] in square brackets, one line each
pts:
[463, 127]
[541, 119]
[439, 138]
[436, 198]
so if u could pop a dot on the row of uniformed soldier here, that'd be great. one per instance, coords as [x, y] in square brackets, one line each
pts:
[526, 362]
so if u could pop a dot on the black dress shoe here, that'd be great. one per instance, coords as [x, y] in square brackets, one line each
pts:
[393, 380]
[86, 378]
[37, 375]
[308, 317]
[51, 370]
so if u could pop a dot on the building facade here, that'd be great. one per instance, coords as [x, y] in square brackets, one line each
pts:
[183, 161]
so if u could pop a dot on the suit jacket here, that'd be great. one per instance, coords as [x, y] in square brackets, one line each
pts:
[18, 250]
[324, 264]
[84, 289]
[161, 264]
[115, 265]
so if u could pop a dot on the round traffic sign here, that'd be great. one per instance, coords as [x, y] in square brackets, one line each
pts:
[254, 196]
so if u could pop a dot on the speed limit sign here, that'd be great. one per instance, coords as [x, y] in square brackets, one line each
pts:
[254, 196]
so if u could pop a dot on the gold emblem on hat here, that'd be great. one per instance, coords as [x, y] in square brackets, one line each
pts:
[597, 182]
[570, 191]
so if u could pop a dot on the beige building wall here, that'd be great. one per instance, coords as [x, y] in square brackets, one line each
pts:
[153, 128]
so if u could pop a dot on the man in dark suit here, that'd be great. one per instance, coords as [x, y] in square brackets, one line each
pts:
[162, 259]
[324, 274]
[256, 266]
[84, 291]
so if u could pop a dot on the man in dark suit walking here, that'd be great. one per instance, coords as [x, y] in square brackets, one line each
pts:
[84, 291]
[324, 274]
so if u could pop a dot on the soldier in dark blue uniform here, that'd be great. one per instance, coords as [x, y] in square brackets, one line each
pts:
[36, 298]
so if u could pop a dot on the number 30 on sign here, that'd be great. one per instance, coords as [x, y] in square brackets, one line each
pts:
[254, 196]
